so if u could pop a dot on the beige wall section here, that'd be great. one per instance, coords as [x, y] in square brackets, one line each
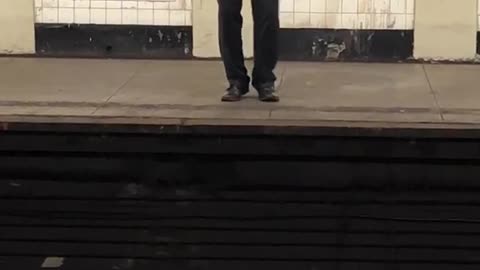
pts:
[17, 32]
[445, 29]
[205, 29]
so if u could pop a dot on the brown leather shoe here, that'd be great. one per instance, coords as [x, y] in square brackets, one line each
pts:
[266, 93]
[234, 93]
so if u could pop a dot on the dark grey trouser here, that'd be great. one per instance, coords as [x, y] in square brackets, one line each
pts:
[266, 21]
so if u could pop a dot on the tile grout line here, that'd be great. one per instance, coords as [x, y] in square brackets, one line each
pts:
[130, 78]
[432, 92]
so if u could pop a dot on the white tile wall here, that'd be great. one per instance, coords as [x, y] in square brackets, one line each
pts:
[338, 14]
[143, 12]
[347, 14]
[478, 12]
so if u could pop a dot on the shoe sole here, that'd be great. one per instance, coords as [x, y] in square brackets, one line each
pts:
[233, 99]
[270, 99]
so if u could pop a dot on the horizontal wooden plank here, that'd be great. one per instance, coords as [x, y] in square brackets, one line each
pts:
[91, 190]
[73, 263]
[247, 174]
[219, 211]
[286, 146]
[240, 238]
[152, 192]
[359, 226]
[224, 252]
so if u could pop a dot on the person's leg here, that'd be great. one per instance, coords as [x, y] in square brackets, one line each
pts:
[265, 14]
[231, 48]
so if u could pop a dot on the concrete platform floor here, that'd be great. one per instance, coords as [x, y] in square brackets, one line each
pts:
[133, 89]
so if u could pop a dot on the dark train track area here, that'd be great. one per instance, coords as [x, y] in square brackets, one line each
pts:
[92, 196]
